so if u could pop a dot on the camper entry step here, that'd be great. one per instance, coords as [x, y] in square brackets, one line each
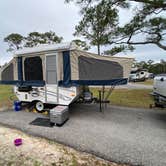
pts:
[59, 115]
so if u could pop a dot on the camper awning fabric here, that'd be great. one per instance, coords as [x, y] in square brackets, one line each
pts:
[9, 72]
[74, 68]
[111, 82]
[85, 68]
[12, 74]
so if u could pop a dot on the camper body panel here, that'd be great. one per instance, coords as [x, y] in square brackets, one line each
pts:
[65, 96]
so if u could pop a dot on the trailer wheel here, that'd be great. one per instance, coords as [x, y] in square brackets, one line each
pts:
[158, 105]
[39, 106]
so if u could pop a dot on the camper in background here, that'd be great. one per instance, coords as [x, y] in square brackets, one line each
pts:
[138, 75]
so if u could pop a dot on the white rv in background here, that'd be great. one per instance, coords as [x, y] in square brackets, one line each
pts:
[159, 90]
[137, 75]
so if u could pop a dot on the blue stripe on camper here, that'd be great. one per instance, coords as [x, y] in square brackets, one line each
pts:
[66, 68]
[26, 83]
[33, 83]
[20, 73]
[119, 81]
[13, 82]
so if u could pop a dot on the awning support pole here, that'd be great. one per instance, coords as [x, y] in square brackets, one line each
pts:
[100, 102]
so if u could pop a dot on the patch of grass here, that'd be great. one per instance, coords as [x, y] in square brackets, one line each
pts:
[147, 82]
[139, 98]
[6, 92]
[123, 97]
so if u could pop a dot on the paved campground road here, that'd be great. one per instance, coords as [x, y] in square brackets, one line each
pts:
[132, 86]
[135, 86]
[126, 135]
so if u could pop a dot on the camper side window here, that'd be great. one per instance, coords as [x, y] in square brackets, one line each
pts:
[33, 69]
[7, 73]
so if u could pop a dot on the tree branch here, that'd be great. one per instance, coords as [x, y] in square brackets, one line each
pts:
[145, 42]
[135, 43]
[160, 45]
[151, 2]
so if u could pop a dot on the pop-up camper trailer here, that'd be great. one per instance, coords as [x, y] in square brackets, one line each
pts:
[54, 74]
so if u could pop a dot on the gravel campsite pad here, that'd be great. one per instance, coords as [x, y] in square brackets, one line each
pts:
[39, 151]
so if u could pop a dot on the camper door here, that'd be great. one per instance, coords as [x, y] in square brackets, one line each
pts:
[51, 79]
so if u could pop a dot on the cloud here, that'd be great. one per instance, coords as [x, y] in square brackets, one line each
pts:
[22, 17]
[40, 15]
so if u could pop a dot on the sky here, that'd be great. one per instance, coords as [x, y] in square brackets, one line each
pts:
[19, 16]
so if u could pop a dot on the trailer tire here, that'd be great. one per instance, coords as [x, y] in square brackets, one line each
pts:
[52, 124]
[158, 105]
[39, 106]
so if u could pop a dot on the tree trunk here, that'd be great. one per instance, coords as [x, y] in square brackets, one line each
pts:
[98, 49]
[17, 47]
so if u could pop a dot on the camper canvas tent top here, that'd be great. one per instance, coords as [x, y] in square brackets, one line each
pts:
[54, 73]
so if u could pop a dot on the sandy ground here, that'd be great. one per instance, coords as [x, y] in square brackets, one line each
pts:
[39, 151]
